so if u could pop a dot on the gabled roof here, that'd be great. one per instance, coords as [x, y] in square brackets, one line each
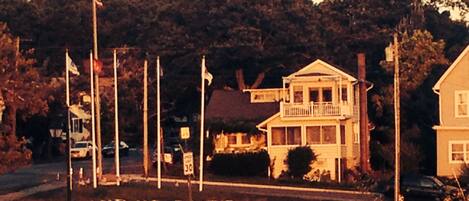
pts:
[320, 67]
[236, 105]
[80, 113]
[447, 72]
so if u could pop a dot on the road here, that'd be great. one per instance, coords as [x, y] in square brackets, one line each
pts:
[131, 167]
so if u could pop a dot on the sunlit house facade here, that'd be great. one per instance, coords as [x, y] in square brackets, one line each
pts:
[452, 132]
[318, 107]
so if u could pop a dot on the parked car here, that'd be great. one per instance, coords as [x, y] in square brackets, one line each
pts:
[81, 149]
[420, 187]
[109, 150]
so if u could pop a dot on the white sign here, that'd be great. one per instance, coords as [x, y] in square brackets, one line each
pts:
[168, 158]
[185, 134]
[188, 163]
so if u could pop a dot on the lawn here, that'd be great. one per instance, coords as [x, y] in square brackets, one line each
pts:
[149, 192]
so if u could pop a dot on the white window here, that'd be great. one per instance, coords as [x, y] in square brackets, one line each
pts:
[462, 103]
[77, 126]
[459, 152]
[286, 135]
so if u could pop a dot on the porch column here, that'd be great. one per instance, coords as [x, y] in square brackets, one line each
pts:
[339, 151]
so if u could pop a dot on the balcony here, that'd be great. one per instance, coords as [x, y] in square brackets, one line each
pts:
[324, 109]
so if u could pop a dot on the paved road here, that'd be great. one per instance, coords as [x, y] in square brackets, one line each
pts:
[132, 166]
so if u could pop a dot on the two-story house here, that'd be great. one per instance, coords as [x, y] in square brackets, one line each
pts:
[318, 108]
[452, 133]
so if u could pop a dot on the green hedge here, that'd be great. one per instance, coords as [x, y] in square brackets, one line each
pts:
[241, 164]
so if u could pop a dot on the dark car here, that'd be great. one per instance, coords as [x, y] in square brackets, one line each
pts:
[420, 187]
[175, 150]
[109, 150]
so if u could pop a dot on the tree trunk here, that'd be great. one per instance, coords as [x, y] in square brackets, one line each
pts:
[240, 79]
[259, 79]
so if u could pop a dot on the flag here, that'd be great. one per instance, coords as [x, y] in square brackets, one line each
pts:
[72, 67]
[207, 75]
[98, 3]
[97, 65]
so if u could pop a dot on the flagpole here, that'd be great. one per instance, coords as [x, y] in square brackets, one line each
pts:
[145, 119]
[98, 106]
[202, 108]
[158, 121]
[116, 119]
[69, 159]
[93, 130]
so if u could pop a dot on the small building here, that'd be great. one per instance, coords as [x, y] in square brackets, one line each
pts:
[318, 107]
[79, 121]
[232, 119]
[452, 132]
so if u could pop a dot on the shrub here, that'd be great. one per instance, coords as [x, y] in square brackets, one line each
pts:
[13, 153]
[299, 161]
[240, 164]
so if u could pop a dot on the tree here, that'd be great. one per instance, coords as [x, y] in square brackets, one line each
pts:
[20, 83]
[420, 55]
[20, 90]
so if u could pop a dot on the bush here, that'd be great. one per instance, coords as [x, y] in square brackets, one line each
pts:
[299, 161]
[13, 153]
[241, 164]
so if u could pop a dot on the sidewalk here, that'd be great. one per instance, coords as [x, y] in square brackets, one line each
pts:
[33, 190]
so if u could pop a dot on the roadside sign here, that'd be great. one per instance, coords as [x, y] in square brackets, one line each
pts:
[188, 163]
[168, 158]
[185, 134]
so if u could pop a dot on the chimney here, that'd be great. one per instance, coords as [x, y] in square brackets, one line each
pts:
[364, 130]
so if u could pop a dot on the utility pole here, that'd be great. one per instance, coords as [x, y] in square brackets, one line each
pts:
[397, 120]
[145, 119]
[158, 121]
[96, 78]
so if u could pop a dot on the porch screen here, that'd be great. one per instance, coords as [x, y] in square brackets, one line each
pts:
[320, 135]
[293, 135]
[278, 136]
[297, 94]
[286, 135]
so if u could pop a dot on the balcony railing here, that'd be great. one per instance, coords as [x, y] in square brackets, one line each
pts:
[325, 109]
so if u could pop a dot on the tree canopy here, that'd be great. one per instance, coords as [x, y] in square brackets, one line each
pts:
[250, 44]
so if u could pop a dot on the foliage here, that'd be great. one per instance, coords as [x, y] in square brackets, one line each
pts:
[13, 153]
[418, 55]
[20, 83]
[240, 164]
[299, 160]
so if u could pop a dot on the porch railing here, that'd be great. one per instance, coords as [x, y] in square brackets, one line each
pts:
[323, 109]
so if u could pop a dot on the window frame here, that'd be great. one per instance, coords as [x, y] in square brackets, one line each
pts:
[286, 133]
[321, 134]
[465, 151]
[456, 103]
